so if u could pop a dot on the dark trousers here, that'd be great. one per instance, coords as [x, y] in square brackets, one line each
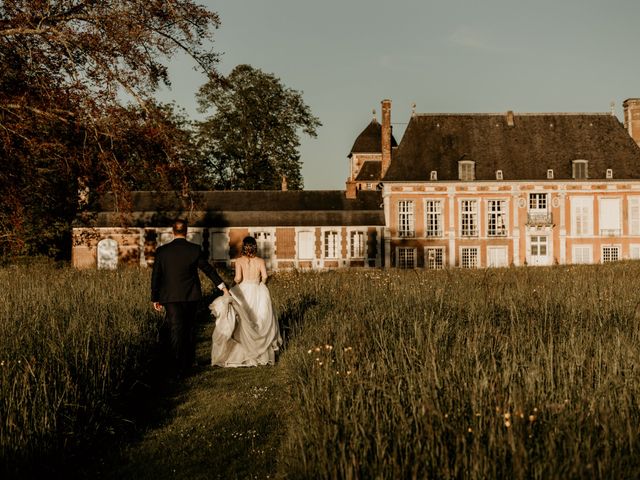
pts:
[181, 317]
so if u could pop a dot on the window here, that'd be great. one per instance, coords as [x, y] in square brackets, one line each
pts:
[219, 246]
[610, 221]
[497, 257]
[538, 201]
[609, 173]
[433, 220]
[357, 244]
[497, 225]
[406, 257]
[499, 175]
[331, 244]
[107, 254]
[369, 186]
[466, 170]
[550, 174]
[195, 237]
[469, 257]
[610, 253]
[434, 258]
[433, 175]
[582, 254]
[306, 245]
[580, 169]
[582, 216]
[469, 218]
[539, 245]
[265, 244]
[634, 215]
[406, 223]
[634, 251]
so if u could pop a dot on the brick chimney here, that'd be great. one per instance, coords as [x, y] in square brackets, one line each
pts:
[284, 184]
[352, 191]
[386, 136]
[632, 117]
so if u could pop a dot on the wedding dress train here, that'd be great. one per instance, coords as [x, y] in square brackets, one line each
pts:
[246, 331]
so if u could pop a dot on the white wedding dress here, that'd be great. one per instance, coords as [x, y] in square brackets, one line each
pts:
[246, 332]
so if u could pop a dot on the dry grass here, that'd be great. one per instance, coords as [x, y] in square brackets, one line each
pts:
[504, 373]
[509, 373]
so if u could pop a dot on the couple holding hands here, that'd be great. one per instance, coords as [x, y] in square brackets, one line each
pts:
[246, 331]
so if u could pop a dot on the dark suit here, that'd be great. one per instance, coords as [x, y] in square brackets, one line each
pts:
[176, 285]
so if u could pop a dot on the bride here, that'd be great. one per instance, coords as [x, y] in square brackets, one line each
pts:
[246, 331]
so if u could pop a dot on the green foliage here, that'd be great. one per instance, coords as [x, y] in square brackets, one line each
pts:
[251, 141]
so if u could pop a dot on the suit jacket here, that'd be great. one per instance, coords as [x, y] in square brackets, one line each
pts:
[175, 272]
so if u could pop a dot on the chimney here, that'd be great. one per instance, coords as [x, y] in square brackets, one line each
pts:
[632, 118]
[284, 183]
[510, 121]
[351, 189]
[386, 136]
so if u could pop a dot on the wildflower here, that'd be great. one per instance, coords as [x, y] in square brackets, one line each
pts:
[507, 416]
[328, 347]
[348, 372]
[317, 359]
[532, 418]
[309, 351]
[507, 423]
[470, 430]
[320, 363]
[317, 349]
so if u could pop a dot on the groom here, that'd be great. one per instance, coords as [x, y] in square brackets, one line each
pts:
[175, 285]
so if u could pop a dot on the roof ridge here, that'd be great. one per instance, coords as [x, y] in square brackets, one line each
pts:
[483, 114]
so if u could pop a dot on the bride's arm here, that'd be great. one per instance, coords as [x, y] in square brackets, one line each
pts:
[238, 276]
[263, 271]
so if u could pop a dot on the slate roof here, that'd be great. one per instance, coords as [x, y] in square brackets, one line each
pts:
[524, 151]
[370, 171]
[234, 208]
[370, 140]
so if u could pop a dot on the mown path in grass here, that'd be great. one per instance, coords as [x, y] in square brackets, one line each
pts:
[217, 423]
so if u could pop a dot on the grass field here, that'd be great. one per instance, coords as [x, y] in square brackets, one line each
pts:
[503, 373]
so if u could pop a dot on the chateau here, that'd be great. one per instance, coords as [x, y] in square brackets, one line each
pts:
[459, 190]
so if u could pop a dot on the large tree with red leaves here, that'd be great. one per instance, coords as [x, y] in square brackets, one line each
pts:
[76, 102]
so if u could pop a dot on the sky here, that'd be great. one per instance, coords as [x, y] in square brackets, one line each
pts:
[444, 56]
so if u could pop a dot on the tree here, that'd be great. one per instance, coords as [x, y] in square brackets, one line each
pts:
[251, 141]
[69, 69]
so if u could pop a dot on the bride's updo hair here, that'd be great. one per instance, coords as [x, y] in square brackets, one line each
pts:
[249, 247]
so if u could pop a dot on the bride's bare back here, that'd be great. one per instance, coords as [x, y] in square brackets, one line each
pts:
[250, 269]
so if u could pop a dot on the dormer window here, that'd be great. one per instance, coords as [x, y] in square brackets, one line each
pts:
[550, 174]
[609, 173]
[498, 174]
[466, 170]
[434, 175]
[580, 169]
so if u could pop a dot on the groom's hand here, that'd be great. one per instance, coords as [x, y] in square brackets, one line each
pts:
[225, 291]
[157, 306]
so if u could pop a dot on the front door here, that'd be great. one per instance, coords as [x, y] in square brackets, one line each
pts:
[539, 250]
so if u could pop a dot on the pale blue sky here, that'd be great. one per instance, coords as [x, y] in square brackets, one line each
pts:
[444, 55]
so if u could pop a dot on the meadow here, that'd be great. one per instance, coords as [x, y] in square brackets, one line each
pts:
[497, 373]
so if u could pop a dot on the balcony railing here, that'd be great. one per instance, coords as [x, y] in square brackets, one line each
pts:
[470, 232]
[539, 218]
[610, 232]
[434, 233]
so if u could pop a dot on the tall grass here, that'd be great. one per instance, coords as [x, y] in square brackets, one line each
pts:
[69, 341]
[504, 373]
